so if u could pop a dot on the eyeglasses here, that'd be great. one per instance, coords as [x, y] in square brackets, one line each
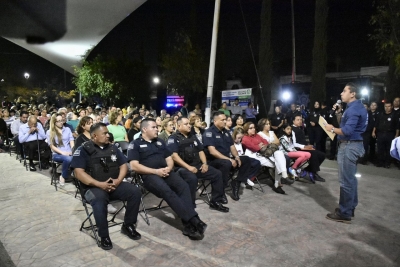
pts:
[103, 163]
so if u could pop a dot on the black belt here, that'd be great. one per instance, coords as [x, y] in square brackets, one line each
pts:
[350, 141]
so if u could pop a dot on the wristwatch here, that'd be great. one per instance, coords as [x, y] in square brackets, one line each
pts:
[333, 130]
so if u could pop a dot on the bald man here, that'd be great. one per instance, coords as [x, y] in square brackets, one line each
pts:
[30, 134]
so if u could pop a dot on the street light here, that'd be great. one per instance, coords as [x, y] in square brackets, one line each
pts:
[26, 75]
[364, 91]
[286, 96]
[156, 80]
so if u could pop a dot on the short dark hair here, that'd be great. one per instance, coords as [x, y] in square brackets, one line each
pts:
[23, 113]
[217, 113]
[353, 87]
[297, 115]
[179, 120]
[96, 126]
[145, 122]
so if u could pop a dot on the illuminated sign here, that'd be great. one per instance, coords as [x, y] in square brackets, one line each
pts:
[175, 101]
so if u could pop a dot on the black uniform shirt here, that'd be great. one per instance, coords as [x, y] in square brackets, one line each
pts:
[173, 142]
[387, 122]
[221, 140]
[150, 154]
[276, 119]
[81, 159]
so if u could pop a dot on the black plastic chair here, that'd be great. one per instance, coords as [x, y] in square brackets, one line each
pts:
[92, 226]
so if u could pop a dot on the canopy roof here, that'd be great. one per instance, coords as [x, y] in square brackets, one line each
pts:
[87, 22]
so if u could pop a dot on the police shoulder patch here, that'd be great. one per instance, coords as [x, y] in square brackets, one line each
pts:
[77, 152]
[131, 146]
[171, 141]
[209, 134]
[159, 143]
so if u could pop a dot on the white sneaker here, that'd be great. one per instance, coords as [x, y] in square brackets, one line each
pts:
[111, 209]
[249, 182]
[61, 181]
[242, 185]
[292, 172]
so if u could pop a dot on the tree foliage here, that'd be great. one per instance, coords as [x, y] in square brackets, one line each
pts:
[119, 80]
[318, 73]
[265, 58]
[185, 67]
[387, 38]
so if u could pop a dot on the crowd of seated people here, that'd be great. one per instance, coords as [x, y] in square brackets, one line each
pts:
[233, 145]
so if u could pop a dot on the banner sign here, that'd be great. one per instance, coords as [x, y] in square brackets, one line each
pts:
[244, 96]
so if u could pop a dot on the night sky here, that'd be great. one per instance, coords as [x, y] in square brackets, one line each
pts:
[142, 31]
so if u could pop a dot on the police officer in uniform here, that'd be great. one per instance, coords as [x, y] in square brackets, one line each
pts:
[313, 129]
[373, 114]
[223, 155]
[187, 152]
[101, 167]
[148, 155]
[385, 130]
[277, 119]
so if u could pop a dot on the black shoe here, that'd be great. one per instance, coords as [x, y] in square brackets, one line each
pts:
[198, 224]
[218, 206]
[45, 166]
[106, 243]
[337, 218]
[288, 181]
[32, 168]
[130, 231]
[235, 191]
[337, 210]
[278, 190]
[318, 178]
[224, 199]
[190, 231]
[331, 158]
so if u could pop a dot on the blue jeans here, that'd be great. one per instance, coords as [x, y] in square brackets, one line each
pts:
[348, 155]
[66, 161]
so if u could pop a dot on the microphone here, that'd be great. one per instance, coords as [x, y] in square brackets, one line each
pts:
[335, 106]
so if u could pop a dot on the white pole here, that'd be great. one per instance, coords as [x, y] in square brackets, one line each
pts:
[212, 62]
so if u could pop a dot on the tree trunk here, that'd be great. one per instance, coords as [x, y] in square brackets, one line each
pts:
[392, 81]
[265, 60]
[318, 84]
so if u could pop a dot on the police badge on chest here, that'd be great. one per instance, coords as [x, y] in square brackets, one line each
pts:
[114, 158]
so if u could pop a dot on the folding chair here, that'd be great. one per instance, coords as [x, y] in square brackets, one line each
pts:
[92, 226]
[54, 165]
[139, 183]
[123, 146]
[203, 185]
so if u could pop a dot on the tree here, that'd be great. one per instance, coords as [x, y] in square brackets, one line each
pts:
[318, 73]
[185, 67]
[387, 37]
[117, 80]
[265, 58]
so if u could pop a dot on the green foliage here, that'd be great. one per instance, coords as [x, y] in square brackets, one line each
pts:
[318, 80]
[387, 30]
[185, 67]
[118, 79]
[386, 36]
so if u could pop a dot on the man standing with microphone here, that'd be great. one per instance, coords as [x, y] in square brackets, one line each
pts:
[351, 149]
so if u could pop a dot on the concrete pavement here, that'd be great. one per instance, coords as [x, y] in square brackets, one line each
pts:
[40, 227]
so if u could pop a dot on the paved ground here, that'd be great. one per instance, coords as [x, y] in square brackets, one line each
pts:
[40, 227]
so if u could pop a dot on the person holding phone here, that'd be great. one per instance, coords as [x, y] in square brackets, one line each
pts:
[101, 168]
